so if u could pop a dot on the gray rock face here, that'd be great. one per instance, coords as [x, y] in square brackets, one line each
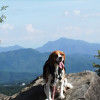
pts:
[86, 87]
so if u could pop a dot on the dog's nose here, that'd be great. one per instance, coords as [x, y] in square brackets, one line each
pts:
[60, 58]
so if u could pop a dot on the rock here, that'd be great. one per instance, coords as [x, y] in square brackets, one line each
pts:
[86, 87]
[2, 96]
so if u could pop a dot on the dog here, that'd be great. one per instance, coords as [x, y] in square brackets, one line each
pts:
[54, 74]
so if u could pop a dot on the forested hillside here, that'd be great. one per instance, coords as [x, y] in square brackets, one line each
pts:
[26, 64]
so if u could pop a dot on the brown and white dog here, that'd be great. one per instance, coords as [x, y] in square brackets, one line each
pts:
[54, 74]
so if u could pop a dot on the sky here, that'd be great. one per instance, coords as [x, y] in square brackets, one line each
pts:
[32, 23]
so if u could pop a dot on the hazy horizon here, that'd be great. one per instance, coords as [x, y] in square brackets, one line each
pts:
[46, 43]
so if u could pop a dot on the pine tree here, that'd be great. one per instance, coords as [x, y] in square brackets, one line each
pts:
[97, 65]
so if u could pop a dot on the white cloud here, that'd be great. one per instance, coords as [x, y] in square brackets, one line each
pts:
[66, 13]
[7, 27]
[89, 31]
[92, 15]
[31, 29]
[76, 12]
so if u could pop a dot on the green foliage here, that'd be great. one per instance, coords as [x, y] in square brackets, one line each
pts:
[10, 89]
[97, 65]
[2, 16]
[4, 8]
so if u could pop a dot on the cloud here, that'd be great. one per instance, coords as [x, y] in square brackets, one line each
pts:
[66, 13]
[92, 15]
[7, 27]
[76, 12]
[31, 29]
[89, 31]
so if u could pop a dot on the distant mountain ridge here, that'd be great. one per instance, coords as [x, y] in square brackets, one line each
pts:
[32, 61]
[79, 57]
[23, 60]
[20, 65]
[10, 48]
[70, 46]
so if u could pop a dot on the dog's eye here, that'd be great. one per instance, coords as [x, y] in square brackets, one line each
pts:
[62, 54]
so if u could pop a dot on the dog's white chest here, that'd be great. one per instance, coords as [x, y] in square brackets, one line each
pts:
[59, 74]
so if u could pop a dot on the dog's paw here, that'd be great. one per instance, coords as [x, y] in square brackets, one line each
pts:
[48, 99]
[62, 97]
[69, 85]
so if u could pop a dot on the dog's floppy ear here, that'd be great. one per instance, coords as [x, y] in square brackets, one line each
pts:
[52, 57]
[64, 57]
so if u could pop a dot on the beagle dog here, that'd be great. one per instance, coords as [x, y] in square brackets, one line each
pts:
[54, 74]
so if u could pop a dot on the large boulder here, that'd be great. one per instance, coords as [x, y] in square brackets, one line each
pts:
[86, 87]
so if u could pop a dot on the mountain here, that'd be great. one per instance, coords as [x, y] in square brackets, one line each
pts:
[70, 46]
[23, 60]
[21, 65]
[11, 48]
[28, 61]
[16, 77]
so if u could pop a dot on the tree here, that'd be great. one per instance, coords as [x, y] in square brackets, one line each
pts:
[2, 16]
[97, 65]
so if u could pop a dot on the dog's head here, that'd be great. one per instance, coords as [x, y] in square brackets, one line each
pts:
[57, 57]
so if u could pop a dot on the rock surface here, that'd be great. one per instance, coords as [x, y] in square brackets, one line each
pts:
[86, 87]
[2, 96]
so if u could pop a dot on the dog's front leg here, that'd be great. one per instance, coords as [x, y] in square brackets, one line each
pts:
[61, 90]
[62, 85]
[48, 91]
